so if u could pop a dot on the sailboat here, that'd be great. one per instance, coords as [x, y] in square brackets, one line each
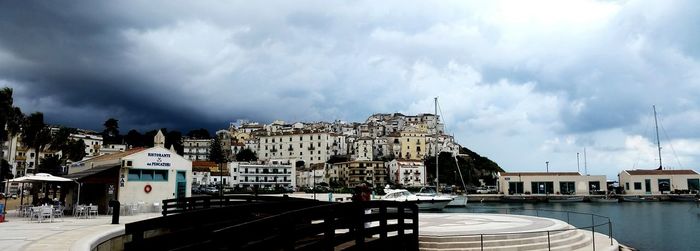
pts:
[457, 201]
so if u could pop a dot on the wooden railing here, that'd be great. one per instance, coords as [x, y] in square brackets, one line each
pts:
[282, 225]
[175, 206]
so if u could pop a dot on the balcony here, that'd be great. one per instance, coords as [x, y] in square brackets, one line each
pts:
[311, 148]
[273, 150]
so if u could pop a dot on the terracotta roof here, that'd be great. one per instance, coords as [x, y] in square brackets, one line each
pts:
[117, 155]
[542, 174]
[203, 163]
[661, 172]
[200, 169]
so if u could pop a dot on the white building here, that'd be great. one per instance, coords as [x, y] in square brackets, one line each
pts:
[274, 173]
[655, 182]
[543, 183]
[196, 149]
[309, 147]
[311, 177]
[112, 148]
[140, 175]
[93, 143]
[407, 172]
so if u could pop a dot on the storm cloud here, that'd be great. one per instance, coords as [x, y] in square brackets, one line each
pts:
[520, 82]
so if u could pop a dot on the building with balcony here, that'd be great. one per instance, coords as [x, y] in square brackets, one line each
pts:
[269, 174]
[196, 149]
[407, 172]
[354, 173]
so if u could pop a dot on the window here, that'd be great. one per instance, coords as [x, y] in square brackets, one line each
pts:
[638, 186]
[541, 187]
[567, 187]
[627, 186]
[147, 175]
[694, 184]
[515, 187]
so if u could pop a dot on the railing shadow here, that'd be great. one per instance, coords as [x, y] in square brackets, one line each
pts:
[276, 224]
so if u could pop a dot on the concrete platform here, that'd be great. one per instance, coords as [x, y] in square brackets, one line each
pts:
[70, 234]
[466, 231]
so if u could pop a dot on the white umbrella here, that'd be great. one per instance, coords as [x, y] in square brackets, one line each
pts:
[40, 177]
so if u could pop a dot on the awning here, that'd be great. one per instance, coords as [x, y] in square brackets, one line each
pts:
[40, 177]
[90, 172]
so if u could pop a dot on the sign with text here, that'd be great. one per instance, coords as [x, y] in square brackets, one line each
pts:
[159, 159]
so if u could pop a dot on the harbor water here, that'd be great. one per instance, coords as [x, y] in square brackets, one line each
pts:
[641, 225]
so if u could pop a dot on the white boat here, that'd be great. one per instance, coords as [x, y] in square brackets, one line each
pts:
[604, 200]
[566, 199]
[424, 201]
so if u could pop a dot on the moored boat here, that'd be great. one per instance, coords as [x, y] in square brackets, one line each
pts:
[519, 199]
[424, 202]
[604, 200]
[638, 199]
[566, 199]
[683, 197]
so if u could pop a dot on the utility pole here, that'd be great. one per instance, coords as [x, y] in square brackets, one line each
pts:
[547, 163]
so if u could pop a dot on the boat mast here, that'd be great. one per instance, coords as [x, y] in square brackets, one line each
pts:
[585, 163]
[437, 154]
[658, 142]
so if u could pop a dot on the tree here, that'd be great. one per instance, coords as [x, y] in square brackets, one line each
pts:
[35, 134]
[200, 133]
[217, 155]
[337, 159]
[174, 138]
[246, 155]
[134, 139]
[11, 118]
[75, 150]
[110, 134]
[50, 165]
[5, 170]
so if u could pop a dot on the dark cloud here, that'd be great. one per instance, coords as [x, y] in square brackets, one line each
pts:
[551, 77]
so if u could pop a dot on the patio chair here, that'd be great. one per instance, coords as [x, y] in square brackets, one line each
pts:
[45, 213]
[133, 209]
[92, 211]
[142, 207]
[58, 212]
[80, 211]
[34, 213]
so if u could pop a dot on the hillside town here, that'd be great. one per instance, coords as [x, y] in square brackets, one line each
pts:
[386, 148]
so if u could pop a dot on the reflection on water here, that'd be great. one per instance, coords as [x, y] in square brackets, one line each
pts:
[642, 225]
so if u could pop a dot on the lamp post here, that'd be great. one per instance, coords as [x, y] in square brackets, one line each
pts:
[547, 164]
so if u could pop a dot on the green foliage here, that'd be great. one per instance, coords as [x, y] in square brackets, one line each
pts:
[216, 153]
[50, 165]
[35, 134]
[5, 170]
[337, 159]
[472, 165]
[75, 150]
[134, 138]
[200, 133]
[246, 155]
[110, 134]
[174, 138]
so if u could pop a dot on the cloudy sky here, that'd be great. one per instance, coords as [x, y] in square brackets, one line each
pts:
[520, 82]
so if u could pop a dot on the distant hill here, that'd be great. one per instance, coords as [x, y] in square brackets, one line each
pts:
[472, 165]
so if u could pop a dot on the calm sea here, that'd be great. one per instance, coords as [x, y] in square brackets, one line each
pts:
[642, 225]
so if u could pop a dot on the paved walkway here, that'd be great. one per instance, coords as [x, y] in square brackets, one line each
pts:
[20, 234]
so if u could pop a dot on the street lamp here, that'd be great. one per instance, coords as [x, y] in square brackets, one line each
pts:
[547, 163]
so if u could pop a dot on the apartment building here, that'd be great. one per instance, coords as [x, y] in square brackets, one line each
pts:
[353, 173]
[268, 174]
[196, 149]
[407, 172]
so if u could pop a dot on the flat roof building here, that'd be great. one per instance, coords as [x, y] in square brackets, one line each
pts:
[655, 182]
[544, 183]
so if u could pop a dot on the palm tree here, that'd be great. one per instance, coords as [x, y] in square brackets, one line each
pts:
[36, 135]
[5, 108]
[10, 122]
